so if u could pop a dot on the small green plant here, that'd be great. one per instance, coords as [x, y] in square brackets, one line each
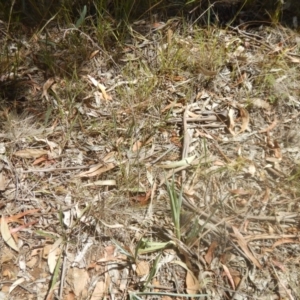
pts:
[176, 203]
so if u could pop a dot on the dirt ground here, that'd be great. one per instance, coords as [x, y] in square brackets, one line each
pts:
[96, 141]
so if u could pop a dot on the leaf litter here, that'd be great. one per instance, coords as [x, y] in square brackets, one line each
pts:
[218, 120]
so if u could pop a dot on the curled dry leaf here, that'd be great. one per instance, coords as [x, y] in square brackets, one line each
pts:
[244, 246]
[245, 119]
[15, 284]
[97, 170]
[210, 252]
[192, 283]
[93, 54]
[244, 115]
[226, 270]
[100, 86]
[6, 235]
[269, 128]
[46, 87]
[171, 105]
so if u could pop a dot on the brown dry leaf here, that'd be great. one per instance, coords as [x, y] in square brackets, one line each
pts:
[269, 128]
[96, 170]
[91, 170]
[46, 87]
[210, 252]
[241, 79]
[192, 283]
[244, 246]
[142, 268]
[136, 146]
[100, 290]
[41, 159]
[245, 119]
[109, 254]
[156, 283]
[240, 192]
[284, 241]
[157, 25]
[15, 218]
[219, 163]
[171, 105]
[54, 253]
[16, 229]
[93, 54]
[8, 272]
[6, 235]
[277, 150]
[176, 141]
[191, 114]
[6, 255]
[226, 270]
[206, 72]
[236, 276]
[266, 195]
[32, 262]
[203, 134]
[278, 264]
[142, 199]
[3, 182]
[69, 296]
[101, 87]
[78, 280]
[30, 153]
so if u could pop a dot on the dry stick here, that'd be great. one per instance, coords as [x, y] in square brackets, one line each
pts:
[288, 219]
[57, 169]
[161, 156]
[198, 119]
[62, 280]
[186, 141]
[282, 284]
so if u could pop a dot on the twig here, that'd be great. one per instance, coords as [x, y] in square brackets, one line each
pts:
[282, 284]
[288, 219]
[186, 141]
[62, 280]
[199, 119]
[57, 169]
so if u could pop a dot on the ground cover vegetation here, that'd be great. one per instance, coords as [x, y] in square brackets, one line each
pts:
[149, 149]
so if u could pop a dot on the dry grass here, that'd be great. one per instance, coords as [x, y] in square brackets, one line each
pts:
[163, 162]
